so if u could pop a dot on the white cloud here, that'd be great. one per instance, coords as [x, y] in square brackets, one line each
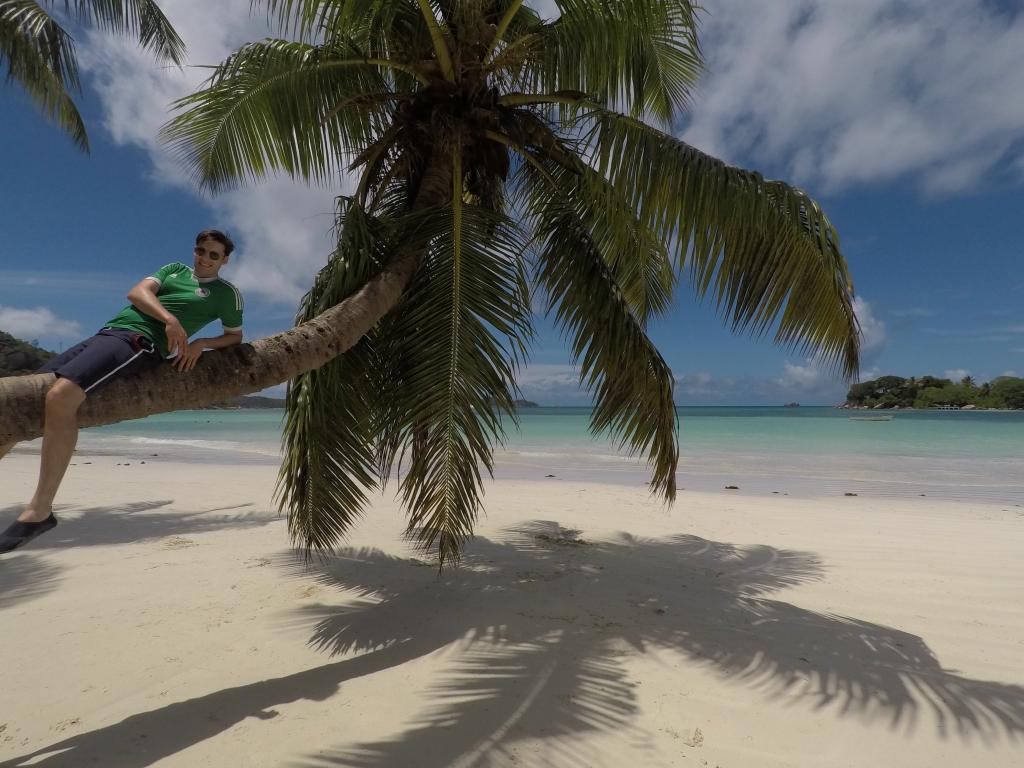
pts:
[868, 374]
[835, 93]
[700, 385]
[547, 9]
[955, 374]
[53, 283]
[812, 378]
[808, 382]
[912, 312]
[552, 384]
[872, 330]
[1010, 373]
[35, 323]
[802, 378]
[284, 226]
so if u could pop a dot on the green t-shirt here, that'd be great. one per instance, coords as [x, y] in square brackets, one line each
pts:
[194, 301]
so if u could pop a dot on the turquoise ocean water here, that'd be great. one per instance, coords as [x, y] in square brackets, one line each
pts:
[801, 451]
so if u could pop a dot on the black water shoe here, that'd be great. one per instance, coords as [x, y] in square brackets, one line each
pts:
[18, 534]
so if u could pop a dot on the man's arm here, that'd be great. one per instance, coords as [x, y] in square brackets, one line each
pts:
[186, 361]
[226, 339]
[143, 297]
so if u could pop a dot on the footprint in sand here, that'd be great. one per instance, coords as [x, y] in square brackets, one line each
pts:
[63, 724]
[307, 591]
[178, 542]
[696, 740]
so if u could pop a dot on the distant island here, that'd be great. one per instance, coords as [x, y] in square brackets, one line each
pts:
[1003, 392]
[18, 357]
[246, 401]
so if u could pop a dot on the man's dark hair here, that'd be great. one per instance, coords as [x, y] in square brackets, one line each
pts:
[220, 237]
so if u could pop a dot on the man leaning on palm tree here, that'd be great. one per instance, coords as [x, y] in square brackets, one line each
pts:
[496, 151]
[165, 308]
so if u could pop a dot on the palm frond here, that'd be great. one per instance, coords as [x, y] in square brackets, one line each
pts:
[264, 109]
[386, 29]
[640, 56]
[141, 19]
[453, 350]
[329, 459]
[507, 17]
[329, 465]
[765, 250]
[437, 40]
[631, 382]
[40, 57]
[31, 40]
[517, 28]
[639, 261]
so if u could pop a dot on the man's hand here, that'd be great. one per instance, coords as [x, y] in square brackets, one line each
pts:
[177, 339]
[186, 359]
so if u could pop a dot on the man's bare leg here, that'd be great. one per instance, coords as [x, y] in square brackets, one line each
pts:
[60, 434]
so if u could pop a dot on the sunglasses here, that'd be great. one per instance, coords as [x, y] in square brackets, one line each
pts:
[211, 254]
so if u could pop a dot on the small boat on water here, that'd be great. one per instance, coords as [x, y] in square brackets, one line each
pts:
[878, 417]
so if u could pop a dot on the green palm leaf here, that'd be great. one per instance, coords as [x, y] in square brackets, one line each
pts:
[631, 383]
[279, 105]
[638, 262]
[141, 19]
[390, 29]
[40, 57]
[763, 249]
[40, 54]
[641, 54]
[330, 462]
[455, 346]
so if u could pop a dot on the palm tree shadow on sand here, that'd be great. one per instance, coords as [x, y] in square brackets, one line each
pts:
[541, 621]
[547, 617]
[25, 575]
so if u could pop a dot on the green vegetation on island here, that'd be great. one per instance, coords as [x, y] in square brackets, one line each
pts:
[18, 357]
[932, 392]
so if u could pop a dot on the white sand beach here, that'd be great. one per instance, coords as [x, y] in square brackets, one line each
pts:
[165, 622]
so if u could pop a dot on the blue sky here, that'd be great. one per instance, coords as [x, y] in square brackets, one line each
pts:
[903, 118]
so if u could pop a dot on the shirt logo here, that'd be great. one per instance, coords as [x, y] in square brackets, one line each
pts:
[202, 292]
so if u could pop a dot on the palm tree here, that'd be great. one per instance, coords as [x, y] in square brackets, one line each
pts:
[500, 158]
[40, 54]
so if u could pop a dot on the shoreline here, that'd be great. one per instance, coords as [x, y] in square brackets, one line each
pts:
[807, 476]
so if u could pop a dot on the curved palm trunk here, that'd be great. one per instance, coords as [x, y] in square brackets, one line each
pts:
[218, 375]
[238, 370]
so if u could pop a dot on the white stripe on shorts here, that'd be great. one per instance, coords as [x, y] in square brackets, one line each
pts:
[122, 365]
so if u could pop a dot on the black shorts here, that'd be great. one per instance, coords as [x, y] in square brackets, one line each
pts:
[110, 353]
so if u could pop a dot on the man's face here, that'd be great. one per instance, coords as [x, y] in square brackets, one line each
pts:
[209, 256]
